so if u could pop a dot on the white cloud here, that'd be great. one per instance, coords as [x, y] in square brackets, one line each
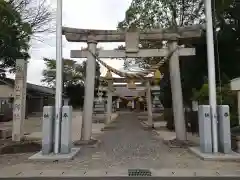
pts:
[87, 14]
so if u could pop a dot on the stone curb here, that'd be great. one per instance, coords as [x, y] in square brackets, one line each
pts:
[117, 173]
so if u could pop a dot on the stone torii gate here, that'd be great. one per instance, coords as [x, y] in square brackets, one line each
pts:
[92, 37]
[110, 89]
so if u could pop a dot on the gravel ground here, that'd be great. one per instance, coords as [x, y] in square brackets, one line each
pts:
[126, 146]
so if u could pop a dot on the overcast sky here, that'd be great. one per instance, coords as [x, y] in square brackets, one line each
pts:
[95, 14]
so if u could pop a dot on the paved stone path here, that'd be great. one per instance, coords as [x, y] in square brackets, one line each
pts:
[126, 146]
[130, 146]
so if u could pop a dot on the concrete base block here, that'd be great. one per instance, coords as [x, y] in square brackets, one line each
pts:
[233, 156]
[55, 157]
[90, 142]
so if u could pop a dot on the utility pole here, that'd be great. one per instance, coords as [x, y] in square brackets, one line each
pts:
[211, 73]
[59, 78]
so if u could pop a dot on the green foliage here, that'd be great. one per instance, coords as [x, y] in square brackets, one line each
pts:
[162, 13]
[224, 96]
[147, 14]
[74, 75]
[76, 95]
[20, 21]
[14, 36]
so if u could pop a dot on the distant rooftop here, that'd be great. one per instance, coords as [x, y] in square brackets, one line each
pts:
[31, 87]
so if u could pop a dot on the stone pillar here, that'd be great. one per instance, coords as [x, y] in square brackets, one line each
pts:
[149, 105]
[19, 99]
[89, 92]
[109, 104]
[138, 106]
[41, 104]
[177, 98]
[47, 130]
[117, 104]
[238, 94]
[66, 133]
[66, 101]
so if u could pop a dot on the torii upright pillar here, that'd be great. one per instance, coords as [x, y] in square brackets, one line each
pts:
[109, 103]
[89, 92]
[149, 105]
[177, 98]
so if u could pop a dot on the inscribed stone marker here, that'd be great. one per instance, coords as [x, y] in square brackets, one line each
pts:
[19, 100]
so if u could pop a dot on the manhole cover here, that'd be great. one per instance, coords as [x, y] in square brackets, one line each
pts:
[139, 172]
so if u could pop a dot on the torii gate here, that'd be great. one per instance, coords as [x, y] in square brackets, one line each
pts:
[92, 37]
[110, 89]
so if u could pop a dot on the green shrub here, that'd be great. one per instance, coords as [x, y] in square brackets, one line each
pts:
[224, 96]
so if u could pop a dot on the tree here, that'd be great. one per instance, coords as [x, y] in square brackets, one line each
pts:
[162, 13]
[146, 14]
[14, 36]
[21, 21]
[74, 75]
[36, 13]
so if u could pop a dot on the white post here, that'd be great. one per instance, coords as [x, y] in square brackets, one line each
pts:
[19, 100]
[238, 94]
[132, 104]
[177, 99]
[109, 105]
[66, 133]
[211, 73]
[89, 92]
[59, 78]
[149, 105]
[47, 129]
[66, 101]
[117, 104]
